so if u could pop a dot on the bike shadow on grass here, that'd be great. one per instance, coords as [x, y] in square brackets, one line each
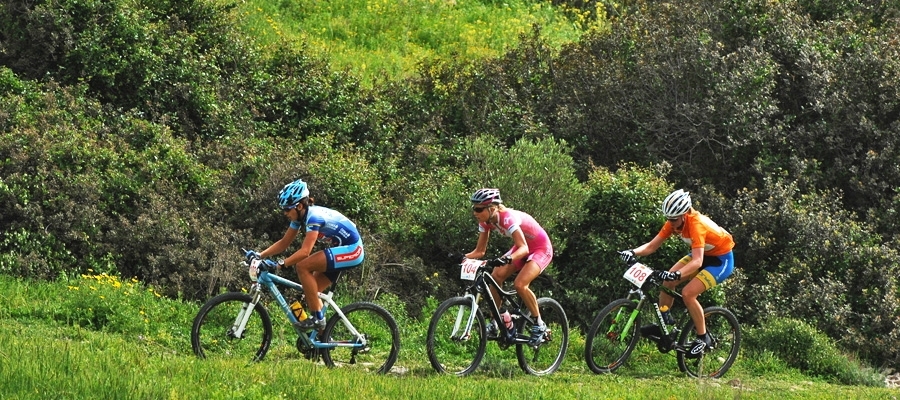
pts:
[646, 362]
[492, 366]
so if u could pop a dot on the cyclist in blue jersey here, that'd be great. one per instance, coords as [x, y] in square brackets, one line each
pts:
[320, 269]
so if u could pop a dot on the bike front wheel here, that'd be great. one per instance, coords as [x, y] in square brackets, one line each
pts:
[376, 326]
[718, 358]
[612, 336]
[214, 333]
[452, 348]
[546, 357]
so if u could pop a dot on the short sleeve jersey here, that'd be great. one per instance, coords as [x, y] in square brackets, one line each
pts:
[330, 224]
[699, 231]
[512, 220]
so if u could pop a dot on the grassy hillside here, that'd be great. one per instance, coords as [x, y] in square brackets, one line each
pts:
[387, 38]
[98, 337]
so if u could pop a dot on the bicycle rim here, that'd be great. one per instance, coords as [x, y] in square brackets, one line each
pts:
[212, 333]
[726, 333]
[610, 339]
[546, 358]
[374, 324]
[450, 349]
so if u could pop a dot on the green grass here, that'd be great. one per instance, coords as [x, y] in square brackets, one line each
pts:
[389, 38]
[56, 342]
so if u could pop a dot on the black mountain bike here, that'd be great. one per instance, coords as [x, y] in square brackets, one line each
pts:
[617, 328]
[457, 334]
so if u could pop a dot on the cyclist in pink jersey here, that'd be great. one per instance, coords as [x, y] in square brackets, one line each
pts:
[530, 254]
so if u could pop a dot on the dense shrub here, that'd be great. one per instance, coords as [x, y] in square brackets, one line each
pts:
[801, 346]
[802, 257]
[537, 177]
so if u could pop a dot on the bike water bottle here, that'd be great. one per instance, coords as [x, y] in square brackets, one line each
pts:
[507, 319]
[298, 310]
[667, 318]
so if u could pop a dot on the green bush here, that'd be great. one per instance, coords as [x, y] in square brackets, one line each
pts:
[803, 347]
[537, 177]
[800, 256]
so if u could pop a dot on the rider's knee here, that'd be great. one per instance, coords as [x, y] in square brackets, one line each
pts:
[689, 295]
[521, 286]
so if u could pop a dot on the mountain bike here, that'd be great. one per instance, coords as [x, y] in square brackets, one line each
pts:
[457, 335]
[615, 331]
[237, 325]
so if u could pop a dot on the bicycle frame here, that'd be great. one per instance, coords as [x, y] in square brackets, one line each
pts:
[638, 296]
[482, 283]
[266, 282]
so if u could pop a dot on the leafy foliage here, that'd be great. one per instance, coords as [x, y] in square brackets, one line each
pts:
[802, 257]
[801, 346]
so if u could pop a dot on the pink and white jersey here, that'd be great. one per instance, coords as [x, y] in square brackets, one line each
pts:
[512, 220]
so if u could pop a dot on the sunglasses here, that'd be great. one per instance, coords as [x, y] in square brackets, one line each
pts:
[478, 209]
[673, 220]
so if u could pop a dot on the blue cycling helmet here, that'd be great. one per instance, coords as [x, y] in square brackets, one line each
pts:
[486, 196]
[292, 193]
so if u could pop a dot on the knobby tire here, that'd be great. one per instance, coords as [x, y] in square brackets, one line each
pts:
[211, 334]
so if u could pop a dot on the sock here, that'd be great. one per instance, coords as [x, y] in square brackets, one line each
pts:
[540, 321]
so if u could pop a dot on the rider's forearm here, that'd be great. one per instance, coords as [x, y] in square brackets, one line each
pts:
[475, 254]
[276, 248]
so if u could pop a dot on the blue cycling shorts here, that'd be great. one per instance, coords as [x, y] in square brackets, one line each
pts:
[342, 258]
[714, 269]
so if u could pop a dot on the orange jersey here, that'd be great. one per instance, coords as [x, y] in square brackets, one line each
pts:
[701, 232]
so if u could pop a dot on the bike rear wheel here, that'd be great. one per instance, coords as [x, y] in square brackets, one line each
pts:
[610, 339]
[450, 348]
[546, 357]
[373, 323]
[213, 335]
[726, 334]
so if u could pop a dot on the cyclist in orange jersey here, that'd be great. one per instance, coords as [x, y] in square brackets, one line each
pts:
[709, 262]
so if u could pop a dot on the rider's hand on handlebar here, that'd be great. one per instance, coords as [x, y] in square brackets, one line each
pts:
[628, 256]
[252, 255]
[271, 265]
[498, 262]
[668, 276]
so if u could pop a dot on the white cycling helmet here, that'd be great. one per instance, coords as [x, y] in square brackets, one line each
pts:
[676, 204]
[486, 196]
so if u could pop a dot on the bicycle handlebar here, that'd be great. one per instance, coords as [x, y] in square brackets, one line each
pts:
[266, 265]
[653, 280]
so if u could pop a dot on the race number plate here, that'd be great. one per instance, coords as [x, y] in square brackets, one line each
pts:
[254, 269]
[468, 269]
[637, 274]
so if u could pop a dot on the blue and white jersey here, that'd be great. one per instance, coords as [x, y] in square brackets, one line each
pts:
[330, 225]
